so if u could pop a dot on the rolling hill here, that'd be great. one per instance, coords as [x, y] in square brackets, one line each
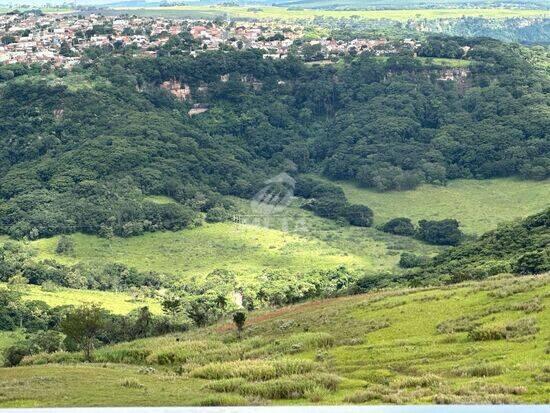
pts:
[479, 342]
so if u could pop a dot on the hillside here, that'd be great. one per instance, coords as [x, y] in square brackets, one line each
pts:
[82, 152]
[480, 342]
[521, 247]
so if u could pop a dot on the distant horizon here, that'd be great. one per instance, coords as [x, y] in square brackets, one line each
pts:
[352, 4]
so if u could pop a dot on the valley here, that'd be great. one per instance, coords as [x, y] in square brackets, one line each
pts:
[297, 202]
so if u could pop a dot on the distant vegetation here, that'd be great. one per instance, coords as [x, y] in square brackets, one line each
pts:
[297, 13]
[522, 248]
[401, 4]
[85, 159]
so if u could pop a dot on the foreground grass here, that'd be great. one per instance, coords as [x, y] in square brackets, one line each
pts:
[479, 205]
[433, 345]
[280, 13]
[117, 303]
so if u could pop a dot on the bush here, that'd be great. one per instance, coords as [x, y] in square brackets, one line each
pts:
[518, 328]
[226, 385]
[279, 389]
[250, 369]
[46, 341]
[409, 260]
[521, 327]
[399, 226]
[65, 245]
[362, 396]
[359, 215]
[427, 380]
[534, 262]
[216, 214]
[444, 232]
[487, 333]
[13, 355]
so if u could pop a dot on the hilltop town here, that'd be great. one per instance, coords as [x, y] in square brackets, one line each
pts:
[63, 39]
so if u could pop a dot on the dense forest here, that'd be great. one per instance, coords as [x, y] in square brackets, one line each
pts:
[81, 151]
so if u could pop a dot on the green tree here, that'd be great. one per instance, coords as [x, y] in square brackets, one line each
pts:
[83, 325]
[239, 318]
[444, 232]
[399, 226]
[172, 305]
[65, 245]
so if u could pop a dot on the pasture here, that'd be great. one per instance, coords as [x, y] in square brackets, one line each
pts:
[479, 342]
[117, 303]
[479, 205]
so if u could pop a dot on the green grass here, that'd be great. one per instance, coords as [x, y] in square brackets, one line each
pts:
[117, 303]
[280, 13]
[380, 348]
[296, 240]
[478, 205]
[246, 249]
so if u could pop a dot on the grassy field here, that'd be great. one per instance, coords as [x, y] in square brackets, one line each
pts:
[280, 13]
[246, 249]
[295, 240]
[117, 303]
[483, 342]
[478, 205]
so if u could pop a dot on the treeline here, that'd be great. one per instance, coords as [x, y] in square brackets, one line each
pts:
[50, 329]
[19, 260]
[83, 151]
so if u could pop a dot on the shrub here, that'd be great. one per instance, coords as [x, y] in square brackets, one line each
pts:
[122, 355]
[285, 367]
[521, 327]
[316, 394]
[65, 245]
[217, 214]
[250, 369]
[181, 352]
[49, 286]
[533, 262]
[362, 396]
[487, 333]
[409, 260]
[359, 215]
[46, 341]
[399, 226]
[444, 232]
[13, 355]
[278, 389]
[457, 325]
[532, 306]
